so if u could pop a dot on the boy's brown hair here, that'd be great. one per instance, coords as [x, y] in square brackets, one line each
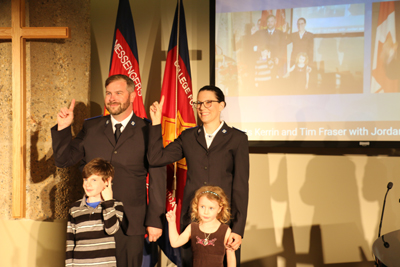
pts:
[99, 167]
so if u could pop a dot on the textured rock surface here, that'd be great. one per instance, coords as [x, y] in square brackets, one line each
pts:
[57, 71]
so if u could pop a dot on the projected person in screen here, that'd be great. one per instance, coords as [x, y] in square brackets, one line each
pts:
[215, 153]
[274, 39]
[255, 28]
[300, 72]
[265, 71]
[303, 41]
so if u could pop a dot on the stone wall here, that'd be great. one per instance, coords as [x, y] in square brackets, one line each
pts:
[57, 71]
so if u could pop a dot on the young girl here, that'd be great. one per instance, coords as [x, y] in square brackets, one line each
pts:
[300, 72]
[208, 232]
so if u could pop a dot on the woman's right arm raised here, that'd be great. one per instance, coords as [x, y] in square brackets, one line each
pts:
[157, 155]
[156, 112]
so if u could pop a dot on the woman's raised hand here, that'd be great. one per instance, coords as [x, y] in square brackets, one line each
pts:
[156, 111]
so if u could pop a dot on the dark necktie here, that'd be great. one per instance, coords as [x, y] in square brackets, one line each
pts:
[117, 131]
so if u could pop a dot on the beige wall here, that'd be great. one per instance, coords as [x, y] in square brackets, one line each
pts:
[304, 210]
[28, 243]
[314, 210]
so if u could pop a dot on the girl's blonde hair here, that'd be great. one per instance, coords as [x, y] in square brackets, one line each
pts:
[302, 54]
[212, 193]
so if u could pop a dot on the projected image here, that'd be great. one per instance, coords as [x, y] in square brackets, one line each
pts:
[385, 59]
[326, 70]
[299, 51]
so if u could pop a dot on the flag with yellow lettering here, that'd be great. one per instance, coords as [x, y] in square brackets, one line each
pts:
[177, 115]
[125, 60]
[177, 111]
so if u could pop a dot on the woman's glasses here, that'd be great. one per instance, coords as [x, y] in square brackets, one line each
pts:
[207, 103]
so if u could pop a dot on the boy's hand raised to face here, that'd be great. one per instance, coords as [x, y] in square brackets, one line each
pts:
[107, 192]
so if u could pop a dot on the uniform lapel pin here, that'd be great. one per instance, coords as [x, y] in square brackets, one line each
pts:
[223, 131]
[107, 122]
[133, 123]
[199, 130]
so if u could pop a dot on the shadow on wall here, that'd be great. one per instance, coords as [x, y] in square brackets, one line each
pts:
[334, 235]
[154, 81]
[375, 182]
[57, 196]
[333, 192]
[96, 109]
[41, 169]
[314, 257]
[96, 79]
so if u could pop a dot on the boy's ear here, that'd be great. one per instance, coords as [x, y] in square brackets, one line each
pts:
[108, 181]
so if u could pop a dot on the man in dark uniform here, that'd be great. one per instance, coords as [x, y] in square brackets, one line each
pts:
[275, 40]
[121, 139]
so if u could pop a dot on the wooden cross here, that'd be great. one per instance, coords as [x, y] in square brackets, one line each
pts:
[18, 33]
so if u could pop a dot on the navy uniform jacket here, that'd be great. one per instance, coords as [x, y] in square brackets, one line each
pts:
[224, 164]
[276, 43]
[128, 156]
[305, 44]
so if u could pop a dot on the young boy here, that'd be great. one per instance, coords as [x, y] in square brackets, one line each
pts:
[265, 70]
[94, 219]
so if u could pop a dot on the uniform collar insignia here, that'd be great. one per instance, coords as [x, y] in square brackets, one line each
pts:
[107, 122]
[223, 131]
[132, 123]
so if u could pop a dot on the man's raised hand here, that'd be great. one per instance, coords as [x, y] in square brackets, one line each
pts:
[65, 116]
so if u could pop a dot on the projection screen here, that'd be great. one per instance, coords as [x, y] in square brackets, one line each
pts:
[324, 70]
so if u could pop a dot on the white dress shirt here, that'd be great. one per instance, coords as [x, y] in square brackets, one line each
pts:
[124, 122]
[210, 137]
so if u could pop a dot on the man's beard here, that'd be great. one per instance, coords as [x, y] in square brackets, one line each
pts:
[117, 110]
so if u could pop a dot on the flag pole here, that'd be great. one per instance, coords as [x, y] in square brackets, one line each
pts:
[176, 93]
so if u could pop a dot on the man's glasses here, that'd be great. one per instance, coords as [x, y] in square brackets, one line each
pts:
[207, 103]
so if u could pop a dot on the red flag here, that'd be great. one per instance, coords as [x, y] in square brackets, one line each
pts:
[125, 60]
[263, 19]
[124, 55]
[177, 112]
[280, 16]
[280, 19]
[385, 46]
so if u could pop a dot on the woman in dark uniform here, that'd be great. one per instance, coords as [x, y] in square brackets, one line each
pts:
[215, 153]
